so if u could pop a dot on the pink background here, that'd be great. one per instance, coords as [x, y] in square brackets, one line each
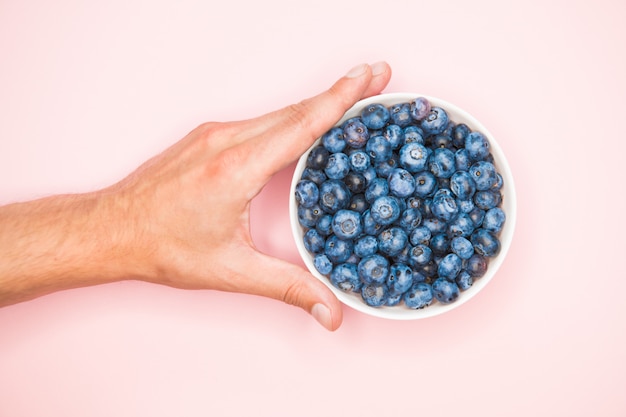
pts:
[89, 90]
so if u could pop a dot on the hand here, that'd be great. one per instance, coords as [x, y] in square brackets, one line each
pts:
[183, 218]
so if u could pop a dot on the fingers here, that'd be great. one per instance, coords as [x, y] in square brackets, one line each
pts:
[278, 279]
[292, 130]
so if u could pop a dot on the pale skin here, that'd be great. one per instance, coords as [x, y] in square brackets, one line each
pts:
[179, 220]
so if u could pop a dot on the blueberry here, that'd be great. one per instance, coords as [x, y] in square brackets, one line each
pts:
[366, 246]
[334, 196]
[323, 265]
[487, 199]
[359, 161]
[384, 168]
[485, 242]
[429, 270]
[464, 280]
[355, 182]
[444, 206]
[355, 133]
[306, 193]
[347, 224]
[477, 146]
[462, 225]
[435, 225]
[401, 183]
[394, 135]
[393, 299]
[400, 114]
[374, 268]
[420, 235]
[385, 210]
[413, 157]
[442, 141]
[450, 266]
[315, 175]
[410, 219]
[462, 160]
[375, 116]
[308, 216]
[369, 174]
[345, 277]
[338, 166]
[425, 184]
[358, 203]
[445, 291]
[440, 244]
[379, 149]
[462, 247]
[317, 158]
[462, 185]
[374, 294]
[436, 121]
[465, 206]
[378, 187]
[420, 108]
[313, 241]
[338, 250]
[459, 133]
[442, 163]
[414, 134]
[400, 278]
[420, 254]
[324, 224]
[494, 220]
[484, 175]
[477, 216]
[420, 295]
[370, 227]
[333, 140]
[391, 241]
[477, 265]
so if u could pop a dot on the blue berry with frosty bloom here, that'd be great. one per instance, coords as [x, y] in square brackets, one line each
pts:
[374, 268]
[435, 122]
[444, 206]
[370, 226]
[393, 299]
[420, 295]
[334, 196]
[333, 140]
[308, 216]
[484, 175]
[384, 168]
[359, 161]
[306, 193]
[356, 182]
[420, 235]
[445, 291]
[461, 225]
[392, 241]
[414, 134]
[355, 133]
[338, 166]
[401, 183]
[366, 246]
[400, 114]
[347, 224]
[459, 133]
[435, 225]
[379, 149]
[477, 265]
[394, 135]
[442, 163]
[477, 216]
[485, 242]
[440, 244]
[400, 278]
[462, 185]
[465, 206]
[487, 199]
[413, 157]
[425, 184]
[450, 266]
[420, 108]
[345, 277]
[410, 219]
[385, 210]
[462, 247]
[323, 265]
[420, 255]
[358, 203]
[462, 160]
[477, 146]
[377, 187]
[494, 220]
[338, 250]
[315, 175]
[375, 116]
[313, 241]
[464, 280]
[317, 157]
[374, 294]
[324, 224]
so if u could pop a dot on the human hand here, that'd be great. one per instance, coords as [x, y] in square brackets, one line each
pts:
[187, 211]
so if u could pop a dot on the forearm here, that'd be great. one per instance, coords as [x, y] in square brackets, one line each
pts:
[62, 242]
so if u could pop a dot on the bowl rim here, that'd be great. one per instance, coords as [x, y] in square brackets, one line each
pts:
[509, 204]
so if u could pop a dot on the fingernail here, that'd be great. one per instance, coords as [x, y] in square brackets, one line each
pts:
[357, 71]
[321, 313]
[378, 68]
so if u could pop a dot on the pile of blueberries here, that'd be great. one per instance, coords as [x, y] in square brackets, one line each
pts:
[401, 205]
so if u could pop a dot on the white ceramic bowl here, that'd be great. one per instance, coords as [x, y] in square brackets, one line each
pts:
[402, 312]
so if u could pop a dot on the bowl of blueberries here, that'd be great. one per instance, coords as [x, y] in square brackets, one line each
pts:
[405, 209]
